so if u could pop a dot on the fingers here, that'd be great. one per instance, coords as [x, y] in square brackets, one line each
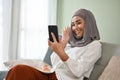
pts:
[66, 29]
[45, 67]
[54, 38]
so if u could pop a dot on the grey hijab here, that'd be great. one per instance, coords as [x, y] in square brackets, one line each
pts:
[90, 29]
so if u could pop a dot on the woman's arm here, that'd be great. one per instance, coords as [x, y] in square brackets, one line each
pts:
[82, 65]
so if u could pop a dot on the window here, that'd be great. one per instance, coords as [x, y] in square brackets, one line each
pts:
[1, 30]
[5, 12]
[24, 28]
[33, 29]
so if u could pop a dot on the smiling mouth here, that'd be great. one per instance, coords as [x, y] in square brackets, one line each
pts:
[77, 32]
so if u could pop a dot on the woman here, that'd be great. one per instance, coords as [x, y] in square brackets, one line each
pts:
[74, 55]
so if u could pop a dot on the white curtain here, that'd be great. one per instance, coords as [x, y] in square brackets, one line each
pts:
[15, 20]
[33, 31]
[24, 28]
[5, 25]
[1, 30]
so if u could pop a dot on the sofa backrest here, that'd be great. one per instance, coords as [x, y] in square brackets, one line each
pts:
[108, 50]
[47, 56]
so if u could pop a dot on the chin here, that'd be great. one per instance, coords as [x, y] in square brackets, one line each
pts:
[79, 36]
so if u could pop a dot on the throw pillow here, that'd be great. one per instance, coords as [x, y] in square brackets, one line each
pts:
[112, 70]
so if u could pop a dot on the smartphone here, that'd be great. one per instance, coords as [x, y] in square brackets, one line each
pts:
[54, 29]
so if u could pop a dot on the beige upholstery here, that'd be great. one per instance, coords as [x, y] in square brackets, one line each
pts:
[112, 70]
[108, 50]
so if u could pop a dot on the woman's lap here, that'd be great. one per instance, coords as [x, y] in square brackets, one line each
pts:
[24, 72]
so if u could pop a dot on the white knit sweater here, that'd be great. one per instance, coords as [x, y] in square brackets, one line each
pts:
[80, 63]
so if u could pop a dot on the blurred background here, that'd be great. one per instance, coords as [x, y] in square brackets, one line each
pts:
[24, 24]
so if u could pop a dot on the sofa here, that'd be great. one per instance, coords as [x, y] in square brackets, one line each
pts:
[108, 50]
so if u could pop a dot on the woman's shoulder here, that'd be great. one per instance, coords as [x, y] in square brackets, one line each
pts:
[95, 43]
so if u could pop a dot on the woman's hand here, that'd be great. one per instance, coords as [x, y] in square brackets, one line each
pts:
[65, 35]
[46, 68]
[58, 47]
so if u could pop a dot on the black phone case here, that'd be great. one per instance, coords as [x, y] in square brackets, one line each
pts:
[54, 29]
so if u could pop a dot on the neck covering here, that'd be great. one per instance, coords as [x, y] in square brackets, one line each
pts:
[90, 29]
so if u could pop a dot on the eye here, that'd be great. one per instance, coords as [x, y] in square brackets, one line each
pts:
[79, 23]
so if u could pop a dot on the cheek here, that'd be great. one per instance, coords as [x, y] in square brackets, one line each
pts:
[73, 28]
[81, 29]
[81, 26]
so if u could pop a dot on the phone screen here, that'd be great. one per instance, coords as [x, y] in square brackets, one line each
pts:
[54, 29]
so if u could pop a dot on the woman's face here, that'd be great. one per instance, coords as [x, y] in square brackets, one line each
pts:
[78, 26]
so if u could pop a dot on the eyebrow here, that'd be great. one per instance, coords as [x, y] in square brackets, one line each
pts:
[77, 20]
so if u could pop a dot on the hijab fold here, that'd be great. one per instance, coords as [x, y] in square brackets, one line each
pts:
[90, 29]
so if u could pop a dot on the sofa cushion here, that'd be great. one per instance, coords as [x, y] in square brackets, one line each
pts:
[112, 70]
[108, 50]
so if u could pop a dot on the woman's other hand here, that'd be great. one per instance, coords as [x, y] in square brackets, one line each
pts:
[46, 68]
[65, 36]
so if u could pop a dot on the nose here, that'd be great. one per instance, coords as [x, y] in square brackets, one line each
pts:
[75, 27]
